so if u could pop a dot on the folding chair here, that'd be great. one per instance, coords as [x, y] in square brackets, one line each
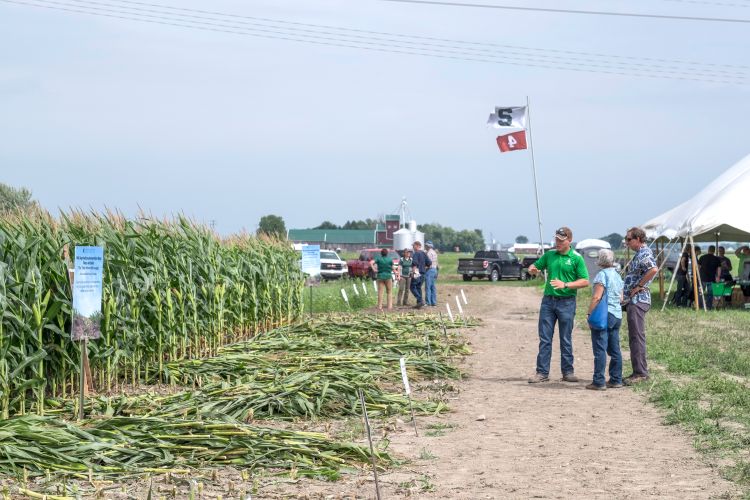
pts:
[722, 294]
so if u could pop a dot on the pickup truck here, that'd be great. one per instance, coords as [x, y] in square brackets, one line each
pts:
[493, 265]
[360, 267]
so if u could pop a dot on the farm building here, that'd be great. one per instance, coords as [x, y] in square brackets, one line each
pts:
[349, 239]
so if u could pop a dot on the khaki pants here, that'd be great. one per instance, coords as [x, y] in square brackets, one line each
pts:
[404, 285]
[386, 285]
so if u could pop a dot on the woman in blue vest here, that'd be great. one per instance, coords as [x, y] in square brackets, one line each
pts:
[608, 287]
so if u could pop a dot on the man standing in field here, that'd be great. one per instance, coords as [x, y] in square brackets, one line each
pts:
[420, 264]
[430, 277]
[710, 272]
[567, 273]
[637, 297]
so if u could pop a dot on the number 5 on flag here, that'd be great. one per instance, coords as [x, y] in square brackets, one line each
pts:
[512, 142]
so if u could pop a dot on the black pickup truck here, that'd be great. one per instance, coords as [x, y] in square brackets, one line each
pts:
[493, 265]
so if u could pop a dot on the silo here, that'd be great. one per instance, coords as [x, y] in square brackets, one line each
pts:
[403, 238]
[418, 236]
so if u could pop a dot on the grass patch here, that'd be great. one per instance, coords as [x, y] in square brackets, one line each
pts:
[439, 429]
[327, 297]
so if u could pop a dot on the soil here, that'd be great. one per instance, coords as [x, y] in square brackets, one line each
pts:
[506, 438]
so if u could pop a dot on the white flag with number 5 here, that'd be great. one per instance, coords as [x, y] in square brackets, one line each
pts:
[510, 117]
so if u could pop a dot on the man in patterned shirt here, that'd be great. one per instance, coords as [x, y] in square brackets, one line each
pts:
[637, 297]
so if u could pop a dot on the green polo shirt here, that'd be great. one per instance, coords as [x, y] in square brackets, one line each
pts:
[385, 267]
[564, 267]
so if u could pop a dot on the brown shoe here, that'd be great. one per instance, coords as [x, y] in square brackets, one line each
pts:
[570, 377]
[537, 378]
[613, 386]
[593, 387]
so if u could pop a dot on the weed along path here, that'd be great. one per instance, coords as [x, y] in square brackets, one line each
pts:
[509, 439]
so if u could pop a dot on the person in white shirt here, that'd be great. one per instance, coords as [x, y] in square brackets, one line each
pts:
[431, 276]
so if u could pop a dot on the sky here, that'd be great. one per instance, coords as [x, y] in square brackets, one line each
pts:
[226, 127]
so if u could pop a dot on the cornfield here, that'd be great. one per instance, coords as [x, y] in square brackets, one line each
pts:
[172, 291]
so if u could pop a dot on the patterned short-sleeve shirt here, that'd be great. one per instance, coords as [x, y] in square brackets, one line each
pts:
[639, 266]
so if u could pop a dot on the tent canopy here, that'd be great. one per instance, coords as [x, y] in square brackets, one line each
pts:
[719, 211]
[592, 243]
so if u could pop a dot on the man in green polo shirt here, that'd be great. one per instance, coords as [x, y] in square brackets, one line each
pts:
[567, 273]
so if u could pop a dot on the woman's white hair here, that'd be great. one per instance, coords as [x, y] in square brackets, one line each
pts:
[606, 258]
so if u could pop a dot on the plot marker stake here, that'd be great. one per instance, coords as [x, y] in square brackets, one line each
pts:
[369, 439]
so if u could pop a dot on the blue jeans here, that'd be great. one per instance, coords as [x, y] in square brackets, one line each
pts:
[607, 342]
[563, 312]
[429, 286]
[416, 289]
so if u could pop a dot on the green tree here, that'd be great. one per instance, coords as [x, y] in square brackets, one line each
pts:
[446, 238]
[327, 225]
[360, 224]
[14, 198]
[614, 239]
[522, 239]
[272, 225]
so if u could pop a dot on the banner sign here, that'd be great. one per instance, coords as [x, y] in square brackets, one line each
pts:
[311, 259]
[510, 117]
[87, 293]
[512, 142]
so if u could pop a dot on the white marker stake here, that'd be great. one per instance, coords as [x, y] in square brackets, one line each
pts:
[460, 309]
[354, 287]
[463, 295]
[450, 313]
[364, 288]
[375, 286]
[407, 389]
[343, 294]
[404, 377]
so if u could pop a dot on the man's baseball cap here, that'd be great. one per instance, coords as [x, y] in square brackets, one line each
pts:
[428, 243]
[564, 233]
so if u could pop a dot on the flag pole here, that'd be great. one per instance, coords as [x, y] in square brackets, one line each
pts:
[533, 173]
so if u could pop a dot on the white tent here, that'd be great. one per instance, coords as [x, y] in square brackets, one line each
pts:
[719, 211]
[592, 243]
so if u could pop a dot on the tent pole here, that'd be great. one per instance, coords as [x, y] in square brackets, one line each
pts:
[661, 273]
[697, 284]
[671, 282]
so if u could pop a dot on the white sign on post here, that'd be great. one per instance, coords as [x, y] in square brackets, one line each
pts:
[450, 313]
[404, 377]
[311, 259]
[343, 294]
[460, 309]
[87, 293]
[463, 295]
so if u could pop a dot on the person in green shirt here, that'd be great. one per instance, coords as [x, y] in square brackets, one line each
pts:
[404, 282]
[383, 265]
[566, 273]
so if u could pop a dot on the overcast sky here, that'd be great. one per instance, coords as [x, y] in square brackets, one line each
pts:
[98, 111]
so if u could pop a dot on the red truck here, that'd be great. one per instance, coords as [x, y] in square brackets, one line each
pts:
[361, 267]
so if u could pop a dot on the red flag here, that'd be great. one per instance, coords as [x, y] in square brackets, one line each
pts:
[512, 142]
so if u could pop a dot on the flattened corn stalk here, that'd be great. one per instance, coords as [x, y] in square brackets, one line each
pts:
[35, 445]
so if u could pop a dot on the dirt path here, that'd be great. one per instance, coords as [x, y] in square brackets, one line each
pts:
[552, 440]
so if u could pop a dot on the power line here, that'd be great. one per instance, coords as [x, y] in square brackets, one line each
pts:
[570, 11]
[263, 21]
[378, 40]
[387, 48]
[706, 2]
